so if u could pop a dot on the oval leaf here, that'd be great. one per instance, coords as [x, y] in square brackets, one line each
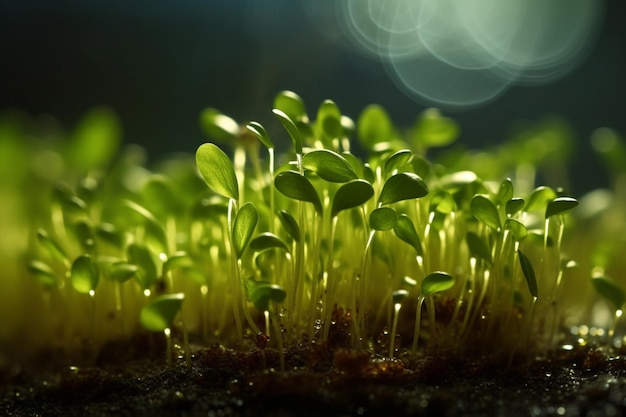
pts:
[505, 192]
[516, 228]
[609, 289]
[266, 241]
[217, 170]
[436, 282]
[383, 218]
[261, 134]
[122, 271]
[539, 198]
[485, 211]
[513, 206]
[478, 248]
[291, 128]
[402, 186]
[328, 121]
[405, 230]
[298, 187]
[142, 257]
[292, 105]
[560, 205]
[529, 273]
[329, 165]
[350, 195]
[260, 293]
[398, 296]
[397, 159]
[245, 222]
[160, 312]
[96, 140]
[289, 224]
[374, 126]
[432, 129]
[84, 274]
[218, 126]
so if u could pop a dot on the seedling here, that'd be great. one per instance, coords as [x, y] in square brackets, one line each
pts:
[158, 316]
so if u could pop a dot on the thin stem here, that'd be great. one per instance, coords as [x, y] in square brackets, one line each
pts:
[394, 327]
[418, 321]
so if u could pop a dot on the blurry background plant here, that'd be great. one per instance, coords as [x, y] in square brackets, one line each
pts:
[153, 61]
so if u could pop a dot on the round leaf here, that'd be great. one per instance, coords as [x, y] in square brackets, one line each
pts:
[374, 126]
[159, 313]
[402, 186]
[298, 187]
[266, 241]
[217, 170]
[436, 282]
[351, 194]
[383, 218]
[329, 165]
[485, 211]
[245, 222]
[84, 274]
[513, 206]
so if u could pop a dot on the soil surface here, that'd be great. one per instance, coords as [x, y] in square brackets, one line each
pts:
[319, 381]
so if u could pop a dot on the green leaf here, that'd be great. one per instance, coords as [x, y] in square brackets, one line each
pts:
[180, 259]
[529, 273]
[434, 130]
[383, 218]
[351, 194]
[485, 211]
[292, 105]
[217, 170]
[51, 245]
[84, 274]
[122, 271]
[95, 140]
[397, 160]
[245, 222]
[405, 230]
[153, 226]
[329, 165]
[43, 273]
[297, 187]
[402, 186]
[261, 134]
[110, 234]
[443, 203]
[516, 228]
[610, 290]
[539, 198]
[289, 224]
[266, 241]
[398, 296]
[513, 206]
[84, 235]
[218, 126]
[260, 293]
[159, 313]
[505, 192]
[328, 121]
[374, 126]
[560, 205]
[142, 257]
[436, 282]
[478, 248]
[291, 128]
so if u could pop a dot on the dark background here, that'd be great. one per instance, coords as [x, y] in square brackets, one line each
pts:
[158, 63]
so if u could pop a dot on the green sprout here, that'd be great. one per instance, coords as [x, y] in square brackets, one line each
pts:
[287, 246]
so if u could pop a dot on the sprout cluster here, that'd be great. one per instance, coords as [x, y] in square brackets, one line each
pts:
[461, 253]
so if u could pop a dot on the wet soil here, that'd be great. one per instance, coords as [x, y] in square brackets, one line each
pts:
[320, 380]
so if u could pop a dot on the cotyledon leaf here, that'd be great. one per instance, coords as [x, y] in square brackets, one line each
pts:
[217, 170]
[351, 194]
[329, 165]
[435, 282]
[298, 187]
[402, 186]
[160, 312]
[245, 222]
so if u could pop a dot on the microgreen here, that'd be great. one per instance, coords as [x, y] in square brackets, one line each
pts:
[217, 170]
[402, 186]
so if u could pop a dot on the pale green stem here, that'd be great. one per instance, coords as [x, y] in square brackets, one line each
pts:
[394, 327]
[418, 321]
[234, 270]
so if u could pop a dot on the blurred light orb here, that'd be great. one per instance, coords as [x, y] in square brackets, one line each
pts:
[459, 53]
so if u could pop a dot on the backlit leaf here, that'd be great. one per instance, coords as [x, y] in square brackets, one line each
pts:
[505, 192]
[260, 293]
[513, 206]
[478, 248]
[245, 222]
[529, 273]
[517, 229]
[436, 282]
[291, 128]
[383, 218]
[159, 313]
[266, 241]
[432, 129]
[217, 170]
[397, 160]
[405, 230]
[402, 186]
[298, 187]
[560, 205]
[485, 211]
[329, 165]
[292, 105]
[289, 224]
[218, 126]
[539, 198]
[84, 274]
[329, 121]
[351, 194]
[261, 134]
[610, 290]
[374, 126]
[95, 140]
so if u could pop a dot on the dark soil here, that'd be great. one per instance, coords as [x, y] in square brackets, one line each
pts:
[320, 381]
